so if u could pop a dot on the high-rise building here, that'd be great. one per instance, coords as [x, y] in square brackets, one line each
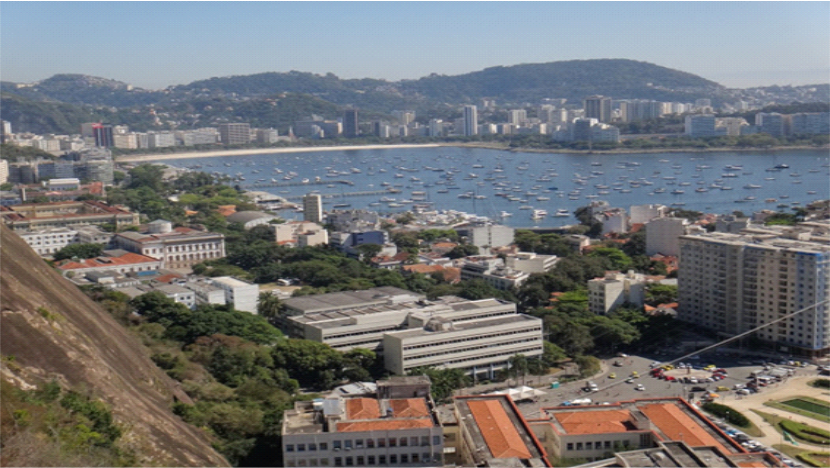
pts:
[598, 107]
[732, 283]
[517, 116]
[771, 123]
[615, 289]
[267, 136]
[700, 125]
[4, 171]
[405, 117]
[470, 120]
[103, 135]
[235, 133]
[5, 130]
[810, 123]
[638, 109]
[313, 208]
[350, 123]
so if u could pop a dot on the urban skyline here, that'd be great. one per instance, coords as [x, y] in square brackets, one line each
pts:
[721, 41]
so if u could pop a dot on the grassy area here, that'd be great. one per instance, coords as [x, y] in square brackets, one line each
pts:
[776, 422]
[804, 406]
[816, 458]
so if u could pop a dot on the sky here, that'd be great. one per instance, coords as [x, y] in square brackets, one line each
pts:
[157, 44]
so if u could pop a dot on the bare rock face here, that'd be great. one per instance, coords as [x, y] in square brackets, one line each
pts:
[55, 332]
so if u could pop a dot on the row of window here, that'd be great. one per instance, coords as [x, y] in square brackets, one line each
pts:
[471, 348]
[433, 344]
[598, 445]
[496, 357]
[348, 444]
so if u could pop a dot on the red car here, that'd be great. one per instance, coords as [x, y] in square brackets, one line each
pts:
[670, 378]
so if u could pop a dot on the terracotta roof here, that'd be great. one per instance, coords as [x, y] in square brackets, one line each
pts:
[409, 408]
[500, 435]
[595, 422]
[126, 259]
[362, 408]
[675, 424]
[168, 277]
[421, 268]
[636, 227]
[752, 464]
[384, 425]
[226, 210]
[452, 275]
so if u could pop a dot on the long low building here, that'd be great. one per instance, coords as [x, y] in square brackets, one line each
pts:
[478, 336]
[37, 216]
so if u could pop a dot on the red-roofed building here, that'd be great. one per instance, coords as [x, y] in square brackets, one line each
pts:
[393, 424]
[126, 263]
[596, 432]
[176, 248]
[38, 216]
[493, 432]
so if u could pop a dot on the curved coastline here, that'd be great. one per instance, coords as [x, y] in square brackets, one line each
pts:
[483, 145]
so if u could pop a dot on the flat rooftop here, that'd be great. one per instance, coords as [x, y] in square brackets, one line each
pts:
[468, 325]
[346, 299]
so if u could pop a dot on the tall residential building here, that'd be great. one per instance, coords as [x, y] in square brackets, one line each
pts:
[103, 135]
[700, 125]
[470, 120]
[351, 127]
[517, 116]
[313, 208]
[4, 171]
[598, 107]
[640, 110]
[5, 130]
[405, 117]
[436, 127]
[235, 133]
[771, 123]
[731, 283]
[810, 123]
[663, 236]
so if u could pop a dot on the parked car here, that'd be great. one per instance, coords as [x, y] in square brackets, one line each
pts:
[640, 387]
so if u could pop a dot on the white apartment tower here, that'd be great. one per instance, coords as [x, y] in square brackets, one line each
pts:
[731, 283]
[470, 120]
[313, 208]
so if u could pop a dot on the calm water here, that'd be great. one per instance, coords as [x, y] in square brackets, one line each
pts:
[497, 183]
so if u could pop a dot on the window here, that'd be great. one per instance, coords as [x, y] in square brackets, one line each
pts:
[570, 446]
[301, 447]
[424, 440]
[404, 458]
[393, 459]
[393, 442]
[415, 458]
[348, 444]
[608, 444]
[381, 459]
[413, 441]
[324, 462]
[312, 447]
[589, 445]
[301, 462]
[358, 443]
[370, 443]
[381, 442]
[324, 445]
[579, 445]
[289, 448]
[404, 442]
[436, 440]
[336, 445]
[312, 462]
[360, 461]
[338, 461]
[290, 463]
[370, 460]
[349, 461]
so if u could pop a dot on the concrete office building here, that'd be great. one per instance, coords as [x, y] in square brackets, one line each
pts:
[487, 236]
[103, 135]
[470, 119]
[4, 171]
[313, 208]
[640, 214]
[731, 283]
[493, 271]
[481, 346]
[397, 425]
[679, 453]
[615, 289]
[598, 107]
[235, 133]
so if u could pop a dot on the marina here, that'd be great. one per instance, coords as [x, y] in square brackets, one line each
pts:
[544, 188]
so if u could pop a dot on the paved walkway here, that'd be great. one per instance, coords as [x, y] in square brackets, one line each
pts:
[795, 386]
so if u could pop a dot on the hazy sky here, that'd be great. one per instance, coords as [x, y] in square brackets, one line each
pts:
[156, 44]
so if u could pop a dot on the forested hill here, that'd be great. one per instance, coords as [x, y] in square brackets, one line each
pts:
[573, 80]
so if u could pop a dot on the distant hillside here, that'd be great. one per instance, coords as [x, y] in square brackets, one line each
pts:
[52, 331]
[43, 117]
[573, 80]
[84, 89]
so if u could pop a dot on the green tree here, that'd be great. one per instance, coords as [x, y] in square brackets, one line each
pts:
[79, 250]
[269, 305]
[661, 294]
[588, 365]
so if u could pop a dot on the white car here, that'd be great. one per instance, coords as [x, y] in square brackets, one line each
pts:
[639, 387]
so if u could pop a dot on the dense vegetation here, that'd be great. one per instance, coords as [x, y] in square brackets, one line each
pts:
[727, 413]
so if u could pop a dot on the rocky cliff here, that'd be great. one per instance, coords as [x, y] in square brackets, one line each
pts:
[51, 331]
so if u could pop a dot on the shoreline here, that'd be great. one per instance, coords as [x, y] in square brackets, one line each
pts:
[248, 152]
[482, 145]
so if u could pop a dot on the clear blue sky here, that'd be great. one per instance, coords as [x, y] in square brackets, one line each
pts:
[156, 44]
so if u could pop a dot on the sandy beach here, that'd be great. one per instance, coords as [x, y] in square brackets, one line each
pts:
[250, 151]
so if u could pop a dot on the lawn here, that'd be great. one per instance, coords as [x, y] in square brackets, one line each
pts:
[795, 453]
[776, 423]
[804, 406]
